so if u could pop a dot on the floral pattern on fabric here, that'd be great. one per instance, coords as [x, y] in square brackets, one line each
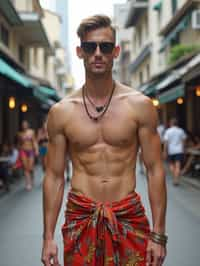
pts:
[105, 234]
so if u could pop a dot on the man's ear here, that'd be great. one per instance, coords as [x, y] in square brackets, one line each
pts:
[79, 52]
[116, 51]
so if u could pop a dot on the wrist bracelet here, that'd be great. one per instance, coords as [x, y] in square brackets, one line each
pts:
[159, 238]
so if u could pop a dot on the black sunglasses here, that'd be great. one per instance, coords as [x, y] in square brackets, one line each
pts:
[90, 47]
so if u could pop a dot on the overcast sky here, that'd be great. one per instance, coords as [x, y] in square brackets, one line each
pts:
[77, 10]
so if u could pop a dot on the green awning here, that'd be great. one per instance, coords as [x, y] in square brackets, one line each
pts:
[172, 35]
[169, 79]
[172, 94]
[44, 94]
[11, 73]
[149, 88]
[158, 5]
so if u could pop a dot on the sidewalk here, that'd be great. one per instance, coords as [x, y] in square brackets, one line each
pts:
[187, 179]
[192, 181]
[18, 184]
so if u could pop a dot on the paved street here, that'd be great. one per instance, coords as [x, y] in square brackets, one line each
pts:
[21, 225]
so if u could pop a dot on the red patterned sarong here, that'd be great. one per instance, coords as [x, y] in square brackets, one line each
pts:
[105, 234]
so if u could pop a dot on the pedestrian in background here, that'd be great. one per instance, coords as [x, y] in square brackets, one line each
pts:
[174, 142]
[4, 166]
[42, 139]
[190, 158]
[161, 132]
[28, 151]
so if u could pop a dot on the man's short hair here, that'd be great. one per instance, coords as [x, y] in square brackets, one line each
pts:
[93, 23]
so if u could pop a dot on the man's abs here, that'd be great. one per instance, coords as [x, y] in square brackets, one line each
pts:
[104, 172]
[104, 180]
[104, 189]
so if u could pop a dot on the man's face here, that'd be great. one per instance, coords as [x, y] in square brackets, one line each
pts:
[99, 52]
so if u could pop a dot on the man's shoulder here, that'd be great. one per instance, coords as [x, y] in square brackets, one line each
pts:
[61, 112]
[173, 131]
[133, 95]
[182, 132]
[141, 106]
[66, 104]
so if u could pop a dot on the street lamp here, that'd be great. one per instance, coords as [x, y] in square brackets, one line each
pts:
[24, 108]
[11, 103]
[155, 102]
[179, 101]
[197, 91]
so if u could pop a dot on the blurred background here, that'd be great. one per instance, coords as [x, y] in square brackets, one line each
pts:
[160, 56]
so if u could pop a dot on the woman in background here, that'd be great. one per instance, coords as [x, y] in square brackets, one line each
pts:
[28, 151]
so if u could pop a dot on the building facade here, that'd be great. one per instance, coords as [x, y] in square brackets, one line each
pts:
[165, 56]
[123, 39]
[31, 59]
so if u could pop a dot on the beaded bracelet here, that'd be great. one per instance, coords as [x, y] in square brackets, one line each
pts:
[158, 238]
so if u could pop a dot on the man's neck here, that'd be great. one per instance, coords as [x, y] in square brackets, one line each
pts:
[99, 88]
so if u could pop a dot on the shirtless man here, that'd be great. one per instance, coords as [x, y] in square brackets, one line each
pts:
[101, 127]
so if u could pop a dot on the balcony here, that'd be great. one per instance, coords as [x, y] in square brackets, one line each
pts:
[141, 57]
[136, 10]
[9, 12]
[33, 32]
[179, 15]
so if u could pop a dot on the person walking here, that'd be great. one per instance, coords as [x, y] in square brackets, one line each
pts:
[28, 151]
[174, 139]
[42, 139]
[161, 132]
[101, 126]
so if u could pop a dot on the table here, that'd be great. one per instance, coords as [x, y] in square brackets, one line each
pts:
[4, 159]
[193, 152]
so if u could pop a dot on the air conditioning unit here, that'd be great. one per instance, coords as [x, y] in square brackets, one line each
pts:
[196, 19]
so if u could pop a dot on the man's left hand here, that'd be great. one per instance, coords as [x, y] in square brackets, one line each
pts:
[156, 254]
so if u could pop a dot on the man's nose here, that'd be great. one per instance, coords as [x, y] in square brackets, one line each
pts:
[98, 51]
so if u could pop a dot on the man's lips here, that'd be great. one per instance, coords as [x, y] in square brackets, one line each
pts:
[98, 63]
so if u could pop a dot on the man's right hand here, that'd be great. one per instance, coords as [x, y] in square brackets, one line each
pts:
[50, 253]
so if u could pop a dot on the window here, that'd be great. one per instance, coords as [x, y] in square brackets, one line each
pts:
[45, 63]
[146, 27]
[4, 35]
[148, 71]
[141, 77]
[176, 40]
[159, 19]
[35, 56]
[21, 53]
[174, 6]
[139, 37]
[135, 43]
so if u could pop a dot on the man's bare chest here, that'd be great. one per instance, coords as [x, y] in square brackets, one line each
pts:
[118, 127]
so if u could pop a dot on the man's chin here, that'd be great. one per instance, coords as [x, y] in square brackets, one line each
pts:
[98, 71]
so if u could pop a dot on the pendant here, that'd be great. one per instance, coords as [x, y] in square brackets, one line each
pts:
[99, 108]
[95, 119]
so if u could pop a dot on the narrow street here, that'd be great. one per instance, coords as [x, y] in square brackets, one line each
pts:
[21, 224]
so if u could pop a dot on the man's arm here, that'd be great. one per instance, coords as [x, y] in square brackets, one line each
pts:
[151, 150]
[53, 185]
